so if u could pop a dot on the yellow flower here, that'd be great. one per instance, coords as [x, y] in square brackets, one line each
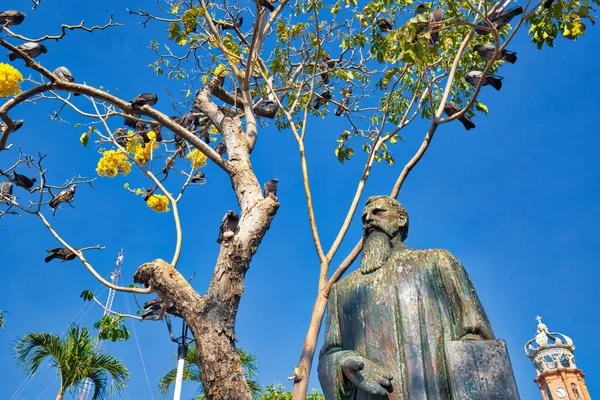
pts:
[10, 80]
[197, 158]
[113, 162]
[142, 152]
[158, 203]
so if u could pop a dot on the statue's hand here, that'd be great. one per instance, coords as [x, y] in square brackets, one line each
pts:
[366, 375]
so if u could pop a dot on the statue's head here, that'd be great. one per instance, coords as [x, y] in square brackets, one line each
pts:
[386, 215]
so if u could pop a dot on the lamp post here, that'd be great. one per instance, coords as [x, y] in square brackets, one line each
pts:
[183, 343]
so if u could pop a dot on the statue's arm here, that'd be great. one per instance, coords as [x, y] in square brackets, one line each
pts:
[472, 321]
[331, 376]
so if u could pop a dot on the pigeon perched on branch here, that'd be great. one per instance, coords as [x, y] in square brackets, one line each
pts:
[143, 99]
[486, 51]
[32, 49]
[266, 4]
[11, 17]
[63, 74]
[228, 224]
[120, 135]
[6, 190]
[452, 108]
[221, 148]
[473, 77]
[270, 187]
[236, 23]
[23, 181]
[344, 103]
[321, 99]
[62, 253]
[385, 25]
[66, 196]
[198, 177]
[18, 124]
[435, 21]
[498, 19]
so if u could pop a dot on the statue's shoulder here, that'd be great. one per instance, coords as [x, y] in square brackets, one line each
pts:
[434, 255]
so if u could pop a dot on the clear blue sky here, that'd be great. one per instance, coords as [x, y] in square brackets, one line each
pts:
[516, 200]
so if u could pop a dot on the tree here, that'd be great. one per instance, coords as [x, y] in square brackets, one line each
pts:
[279, 393]
[2, 320]
[191, 373]
[388, 65]
[76, 360]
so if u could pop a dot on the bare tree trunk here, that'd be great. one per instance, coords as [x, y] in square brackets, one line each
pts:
[302, 373]
[59, 396]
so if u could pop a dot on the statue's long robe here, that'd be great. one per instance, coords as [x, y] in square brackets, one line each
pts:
[399, 317]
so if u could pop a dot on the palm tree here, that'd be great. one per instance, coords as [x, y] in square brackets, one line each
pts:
[2, 320]
[191, 373]
[76, 360]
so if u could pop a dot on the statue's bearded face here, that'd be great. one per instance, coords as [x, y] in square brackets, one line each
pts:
[381, 216]
[384, 219]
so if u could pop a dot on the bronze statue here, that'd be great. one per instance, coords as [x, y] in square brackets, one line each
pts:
[388, 322]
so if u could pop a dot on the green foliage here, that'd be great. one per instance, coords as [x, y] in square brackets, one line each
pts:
[112, 327]
[87, 295]
[2, 320]
[566, 18]
[278, 393]
[75, 359]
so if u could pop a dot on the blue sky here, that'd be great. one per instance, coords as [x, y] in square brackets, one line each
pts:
[515, 200]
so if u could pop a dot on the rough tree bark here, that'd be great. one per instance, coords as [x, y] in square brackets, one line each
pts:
[212, 317]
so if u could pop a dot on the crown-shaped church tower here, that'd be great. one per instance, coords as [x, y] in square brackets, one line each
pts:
[558, 376]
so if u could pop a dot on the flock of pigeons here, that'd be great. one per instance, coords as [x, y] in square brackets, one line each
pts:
[436, 18]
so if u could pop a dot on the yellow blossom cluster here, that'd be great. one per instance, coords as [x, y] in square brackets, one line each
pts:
[113, 162]
[141, 151]
[197, 158]
[158, 203]
[10, 80]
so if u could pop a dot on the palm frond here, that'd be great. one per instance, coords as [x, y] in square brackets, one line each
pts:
[32, 349]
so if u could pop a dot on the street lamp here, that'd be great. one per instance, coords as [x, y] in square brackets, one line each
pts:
[183, 342]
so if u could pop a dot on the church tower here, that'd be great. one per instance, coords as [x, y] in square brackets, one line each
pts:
[552, 355]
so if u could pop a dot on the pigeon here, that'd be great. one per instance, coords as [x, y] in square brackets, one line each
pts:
[236, 22]
[385, 25]
[473, 78]
[186, 121]
[120, 135]
[324, 74]
[486, 51]
[142, 129]
[343, 106]
[62, 253]
[204, 127]
[452, 108]
[63, 74]
[23, 181]
[228, 224]
[32, 49]
[435, 19]
[270, 187]
[498, 19]
[266, 4]
[157, 129]
[221, 148]
[6, 190]
[198, 177]
[152, 307]
[18, 124]
[66, 196]
[143, 99]
[180, 146]
[322, 99]
[548, 3]
[421, 8]
[149, 191]
[169, 164]
[11, 17]
[131, 122]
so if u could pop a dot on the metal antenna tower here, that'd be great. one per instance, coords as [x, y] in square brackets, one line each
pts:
[114, 277]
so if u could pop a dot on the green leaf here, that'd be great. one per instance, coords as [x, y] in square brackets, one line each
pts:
[481, 107]
[84, 139]
[87, 295]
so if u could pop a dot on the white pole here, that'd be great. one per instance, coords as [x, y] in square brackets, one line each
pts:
[179, 377]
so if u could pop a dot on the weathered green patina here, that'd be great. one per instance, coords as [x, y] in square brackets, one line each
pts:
[388, 322]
